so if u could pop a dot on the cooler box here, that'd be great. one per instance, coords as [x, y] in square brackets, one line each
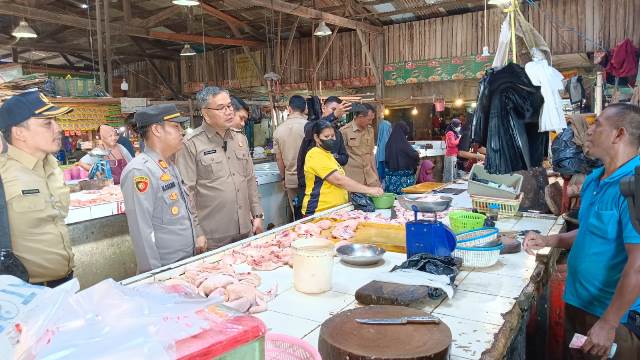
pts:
[230, 337]
[480, 189]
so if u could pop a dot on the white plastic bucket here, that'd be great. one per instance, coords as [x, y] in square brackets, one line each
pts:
[312, 265]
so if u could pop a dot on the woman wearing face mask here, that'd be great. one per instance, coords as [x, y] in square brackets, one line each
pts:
[401, 160]
[452, 139]
[326, 185]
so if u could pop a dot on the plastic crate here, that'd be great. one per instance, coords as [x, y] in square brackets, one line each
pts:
[478, 237]
[507, 207]
[478, 256]
[461, 221]
[480, 189]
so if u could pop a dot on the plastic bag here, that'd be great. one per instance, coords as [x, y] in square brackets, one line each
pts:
[362, 202]
[568, 158]
[437, 265]
[11, 265]
[109, 321]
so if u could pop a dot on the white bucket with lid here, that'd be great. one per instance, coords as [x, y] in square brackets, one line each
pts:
[312, 265]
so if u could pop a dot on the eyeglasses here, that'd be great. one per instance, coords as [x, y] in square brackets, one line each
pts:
[221, 108]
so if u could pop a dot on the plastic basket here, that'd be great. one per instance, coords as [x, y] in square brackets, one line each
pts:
[507, 207]
[461, 221]
[285, 347]
[478, 256]
[477, 237]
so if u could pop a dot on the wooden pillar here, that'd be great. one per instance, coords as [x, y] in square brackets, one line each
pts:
[313, 56]
[598, 96]
[100, 45]
[15, 56]
[126, 10]
[380, 61]
[109, 52]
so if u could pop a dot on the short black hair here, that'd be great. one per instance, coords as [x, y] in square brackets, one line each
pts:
[627, 116]
[239, 104]
[319, 126]
[332, 99]
[361, 109]
[298, 103]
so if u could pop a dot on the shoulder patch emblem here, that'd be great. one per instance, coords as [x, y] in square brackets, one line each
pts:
[141, 183]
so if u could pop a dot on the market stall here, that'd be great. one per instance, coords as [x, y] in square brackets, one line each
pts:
[486, 314]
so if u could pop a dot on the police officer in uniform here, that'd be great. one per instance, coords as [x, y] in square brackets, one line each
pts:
[37, 198]
[218, 170]
[162, 226]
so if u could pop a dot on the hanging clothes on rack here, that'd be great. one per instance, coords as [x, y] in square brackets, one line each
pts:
[624, 61]
[550, 81]
[506, 121]
[575, 89]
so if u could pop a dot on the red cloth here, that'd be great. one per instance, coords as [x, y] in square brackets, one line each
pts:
[624, 62]
[452, 140]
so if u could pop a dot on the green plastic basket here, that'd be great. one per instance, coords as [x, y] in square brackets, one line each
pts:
[461, 221]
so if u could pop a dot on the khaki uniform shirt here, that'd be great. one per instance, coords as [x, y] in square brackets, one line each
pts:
[286, 141]
[360, 145]
[161, 224]
[222, 183]
[37, 203]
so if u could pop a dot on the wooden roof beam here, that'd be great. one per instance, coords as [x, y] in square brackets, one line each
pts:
[158, 18]
[196, 39]
[309, 13]
[118, 29]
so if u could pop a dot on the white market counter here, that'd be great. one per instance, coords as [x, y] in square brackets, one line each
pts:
[484, 315]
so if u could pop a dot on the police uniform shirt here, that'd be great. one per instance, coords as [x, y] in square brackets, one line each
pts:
[218, 172]
[360, 145]
[161, 225]
[37, 203]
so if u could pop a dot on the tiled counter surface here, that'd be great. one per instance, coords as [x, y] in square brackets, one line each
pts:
[476, 314]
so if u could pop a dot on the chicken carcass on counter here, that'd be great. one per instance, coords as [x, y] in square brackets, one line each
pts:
[108, 194]
[238, 290]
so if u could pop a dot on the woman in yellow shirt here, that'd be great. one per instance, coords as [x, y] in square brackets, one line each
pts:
[327, 186]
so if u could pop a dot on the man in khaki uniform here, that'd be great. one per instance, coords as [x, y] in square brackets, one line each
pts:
[218, 170]
[37, 198]
[360, 141]
[286, 144]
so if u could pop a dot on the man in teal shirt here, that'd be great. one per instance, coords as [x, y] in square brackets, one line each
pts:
[603, 279]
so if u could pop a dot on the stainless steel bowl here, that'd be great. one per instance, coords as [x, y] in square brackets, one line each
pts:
[360, 254]
[409, 201]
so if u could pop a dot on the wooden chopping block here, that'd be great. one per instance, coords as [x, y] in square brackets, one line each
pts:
[341, 337]
[384, 293]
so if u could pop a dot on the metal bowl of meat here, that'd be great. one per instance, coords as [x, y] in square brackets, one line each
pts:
[425, 203]
[360, 254]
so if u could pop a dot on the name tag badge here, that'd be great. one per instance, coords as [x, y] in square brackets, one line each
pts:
[169, 186]
[30, 192]
[209, 152]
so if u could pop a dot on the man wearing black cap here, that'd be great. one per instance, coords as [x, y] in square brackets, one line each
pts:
[37, 198]
[161, 224]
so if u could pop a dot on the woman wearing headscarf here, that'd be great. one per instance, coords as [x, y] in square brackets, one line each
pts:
[401, 160]
[452, 139]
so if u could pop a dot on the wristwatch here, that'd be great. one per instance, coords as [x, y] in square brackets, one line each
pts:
[258, 216]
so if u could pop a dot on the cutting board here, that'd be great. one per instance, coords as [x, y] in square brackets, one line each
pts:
[341, 337]
[422, 188]
[384, 293]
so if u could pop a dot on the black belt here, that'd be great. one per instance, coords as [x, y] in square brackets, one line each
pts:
[54, 283]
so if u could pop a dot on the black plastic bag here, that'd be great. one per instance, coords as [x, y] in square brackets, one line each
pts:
[362, 202]
[437, 265]
[568, 158]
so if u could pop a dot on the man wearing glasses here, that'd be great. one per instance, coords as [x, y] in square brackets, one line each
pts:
[37, 198]
[218, 170]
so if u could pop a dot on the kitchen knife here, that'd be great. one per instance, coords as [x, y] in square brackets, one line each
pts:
[401, 321]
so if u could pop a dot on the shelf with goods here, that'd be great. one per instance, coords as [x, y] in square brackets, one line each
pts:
[88, 114]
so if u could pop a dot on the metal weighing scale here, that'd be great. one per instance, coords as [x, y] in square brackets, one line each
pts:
[428, 236]
[100, 168]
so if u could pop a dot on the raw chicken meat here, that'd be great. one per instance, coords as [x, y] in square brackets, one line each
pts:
[107, 194]
[345, 230]
[308, 230]
[324, 224]
[237, 289]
